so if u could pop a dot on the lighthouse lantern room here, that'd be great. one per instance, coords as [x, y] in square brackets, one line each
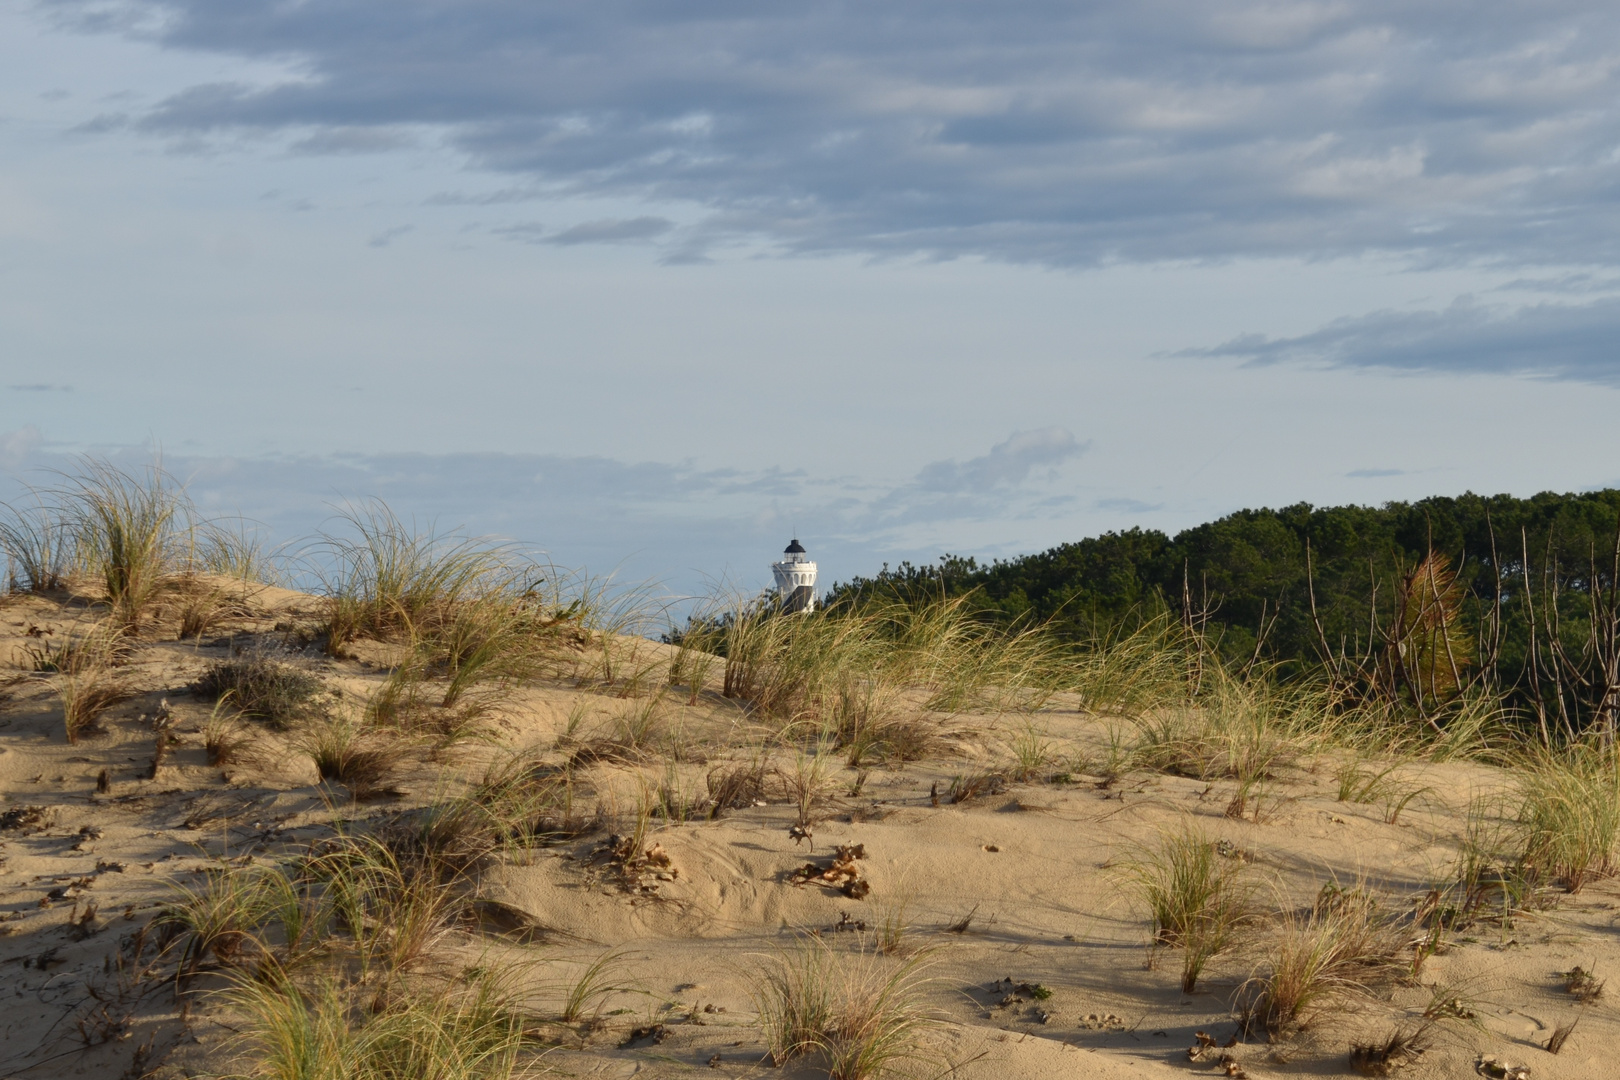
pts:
[795, 579]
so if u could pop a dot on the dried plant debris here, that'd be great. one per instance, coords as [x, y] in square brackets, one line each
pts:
[1228, 850]
[25, 819]
[636, 864]
[1204, 1048]
[1497, 1069]
[1384, 1057]
[1561, 1033]
[846, 923]
[651, 1034]
[976, 785]
[1581, 984]
[842, 873]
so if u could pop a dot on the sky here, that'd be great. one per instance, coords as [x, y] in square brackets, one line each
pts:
[655, 286]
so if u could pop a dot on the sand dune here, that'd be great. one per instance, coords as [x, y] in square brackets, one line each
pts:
[1038, 958]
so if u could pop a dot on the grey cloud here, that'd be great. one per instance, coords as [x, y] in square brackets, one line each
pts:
[40, 388]
[388, 236]
[351, 140]
[488, 198]
[102, 124]
[1007, 464]
[1372, 474]
[16, 447]
[671, 521]
[613, 230]
[1565, 341]
[1042, 130]
[1128, 506]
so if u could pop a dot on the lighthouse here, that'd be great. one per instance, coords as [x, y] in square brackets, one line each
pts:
[795, 579]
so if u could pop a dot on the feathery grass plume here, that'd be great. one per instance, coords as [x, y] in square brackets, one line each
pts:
[893, 923]
[38, 544]
[794, 999]
[1569, 812]
[127, 528]
[1196, 897]
[225, 916]
[863, 1013]
[1033, 752]
[232, 548]
[262, 685]
[807, 784]
[1342, 947]
[222, 732]
[1488, 879]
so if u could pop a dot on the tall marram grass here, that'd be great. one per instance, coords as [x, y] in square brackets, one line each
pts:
[127, 528]
[38, 545]
[1343, 947]
[1569, 812]
[841, 672]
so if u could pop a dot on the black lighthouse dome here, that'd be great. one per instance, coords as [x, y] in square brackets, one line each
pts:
[794, 548]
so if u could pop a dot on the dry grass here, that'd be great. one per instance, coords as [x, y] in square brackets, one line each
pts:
[262, 686]
[87, 689]
[315, 1032]
[1342, 947]
[860, 1012]
[1385, 1056]
[127, 527]
[358, 756]
[1569, 813]
[1197, 898]
[38, 545]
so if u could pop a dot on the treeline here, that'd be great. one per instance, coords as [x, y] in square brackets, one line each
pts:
[1423, 602]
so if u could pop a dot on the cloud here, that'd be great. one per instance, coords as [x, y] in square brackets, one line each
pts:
[673, 521]
[1039, 131]
[613, 230]
[1562, 341]
[16, 447]
[388, 236]
[40, 388]
[1007, 464]
[1372, 474]
[1128, 506]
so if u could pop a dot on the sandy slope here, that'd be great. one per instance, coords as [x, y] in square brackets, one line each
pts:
[1032, 865]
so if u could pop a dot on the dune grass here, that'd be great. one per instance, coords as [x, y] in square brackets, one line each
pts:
[861, 1012]
[1342, 947]
[127, 530]
[38, 545]
[1569, 813]
[1196, 898]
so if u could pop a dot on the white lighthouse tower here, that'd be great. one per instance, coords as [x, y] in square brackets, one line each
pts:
[795, 579]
